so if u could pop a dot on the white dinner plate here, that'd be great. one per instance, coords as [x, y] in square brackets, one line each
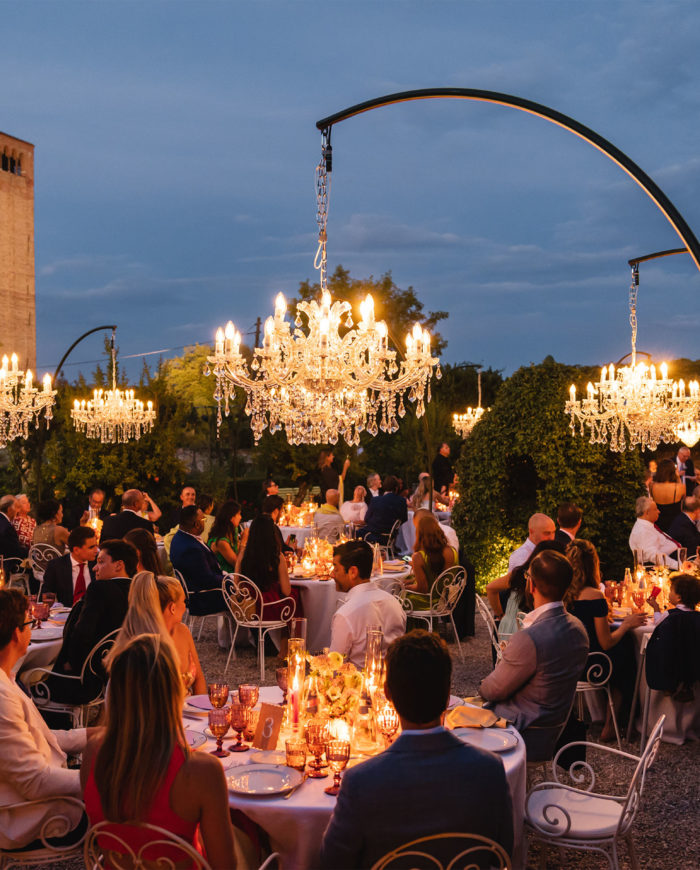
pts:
[202, 702]
[268, 756]
[47, 632]
[256, 780]
[493, 739]
[195, 739]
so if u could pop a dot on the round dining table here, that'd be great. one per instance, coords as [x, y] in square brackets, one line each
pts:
[45, 644]
[301, 532]
[295, 824]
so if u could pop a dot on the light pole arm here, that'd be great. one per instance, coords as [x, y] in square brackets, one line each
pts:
[76, 342]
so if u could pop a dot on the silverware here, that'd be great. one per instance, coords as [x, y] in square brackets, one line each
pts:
[296, 787]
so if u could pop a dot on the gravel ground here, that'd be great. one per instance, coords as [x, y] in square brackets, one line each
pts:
[667, 827]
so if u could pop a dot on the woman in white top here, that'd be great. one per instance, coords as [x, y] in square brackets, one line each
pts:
[354, 511]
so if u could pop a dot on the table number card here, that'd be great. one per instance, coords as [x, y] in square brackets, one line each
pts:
[269, 724]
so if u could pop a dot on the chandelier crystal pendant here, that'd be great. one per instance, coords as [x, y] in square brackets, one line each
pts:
[324, 377]
[114, 416]
[631, 405]
[464, 423]
[21, 403]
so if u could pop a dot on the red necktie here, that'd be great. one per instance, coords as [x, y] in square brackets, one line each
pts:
[80, 585]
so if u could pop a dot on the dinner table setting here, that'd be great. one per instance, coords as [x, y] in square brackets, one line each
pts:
[50, 619]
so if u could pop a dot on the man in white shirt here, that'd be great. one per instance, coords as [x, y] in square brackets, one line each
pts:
[539, 528]
[448, 531]
[646, 539]
[366, 604]
[33, 758]
[69, 576]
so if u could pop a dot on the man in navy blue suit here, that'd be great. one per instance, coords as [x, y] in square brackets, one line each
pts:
[197, 564]
[383, 512]
[461, 789]
[10, 546]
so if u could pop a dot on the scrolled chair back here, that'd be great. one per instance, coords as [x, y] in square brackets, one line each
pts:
[598, 669]
[40, 555]
[109, 845]
[243, 598]
[447, 852]
[447, 588]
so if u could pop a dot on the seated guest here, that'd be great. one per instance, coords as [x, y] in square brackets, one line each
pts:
[539, 528]
[365, 604]
[384, 511]
[147, 549]
[23, 523]
[117, 525]
[197, 564]
[374, 487]
[225, 535]
[69, 576]
[354, 511]
[447, 531]
[421, 496]
[100, 611]
[684, 527]
[673, 652]
[328, 520]
[96, 500]
[10, 546]
[463, 789]
[431, 556]
[515, 599]
[206, 505]
[646, 539]
[138, 767]
[261, 560]
[156, 606]
[569, 518]
[272, 507]
[49, 515]
[33, 758]
[535, 681]
[587, 603]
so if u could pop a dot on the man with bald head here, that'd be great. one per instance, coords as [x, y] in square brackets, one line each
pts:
[539, 528]
[328, 520]
[117, 525]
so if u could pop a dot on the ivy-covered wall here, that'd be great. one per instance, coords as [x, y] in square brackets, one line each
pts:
[521, 458]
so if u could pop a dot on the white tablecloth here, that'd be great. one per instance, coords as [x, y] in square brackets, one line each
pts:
[302, 533]
[41, 653]
[296, 826]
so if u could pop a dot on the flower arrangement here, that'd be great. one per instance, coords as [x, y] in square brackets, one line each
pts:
[338, 684]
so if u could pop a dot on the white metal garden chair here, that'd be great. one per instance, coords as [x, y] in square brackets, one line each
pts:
[57, 823]
[39, 557]
[491, 627]
[107, 846]
[597, 675]
[440, 601]
[447, 852]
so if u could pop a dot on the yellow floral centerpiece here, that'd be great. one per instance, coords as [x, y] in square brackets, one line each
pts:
[337, 684]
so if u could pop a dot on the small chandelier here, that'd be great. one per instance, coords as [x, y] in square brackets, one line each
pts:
[114, 416]
[21, 403]
[331, 380]
[464, 423]
[631, 406]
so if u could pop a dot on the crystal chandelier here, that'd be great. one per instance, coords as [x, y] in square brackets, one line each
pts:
[631, 406]
[114, 416]
[21, 403]
[324, 377]
[464, 423]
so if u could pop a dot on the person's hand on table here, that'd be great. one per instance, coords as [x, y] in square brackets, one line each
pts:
[634, 620]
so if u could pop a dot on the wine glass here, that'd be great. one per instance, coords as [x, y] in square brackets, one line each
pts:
[388, 722]
[248, 694]
[610, 591]
[296, 753]
[317, 735]
[218, 694]
[238, 719]
[338, 755]
[219, 725]
[281, 674]
[639, 597]
[39, 612]
[49, 598]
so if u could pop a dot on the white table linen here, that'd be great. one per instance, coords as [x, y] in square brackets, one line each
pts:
[302, 533]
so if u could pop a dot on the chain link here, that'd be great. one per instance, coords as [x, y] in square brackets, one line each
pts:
[634, 291]
[323, 186]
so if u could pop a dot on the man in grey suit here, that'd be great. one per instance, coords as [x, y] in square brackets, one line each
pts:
[534, 683]
[427, 782]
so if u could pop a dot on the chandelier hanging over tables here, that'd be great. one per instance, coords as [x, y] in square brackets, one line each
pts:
[114, 416]
[325, 377]
[21, 403]
[632, 405]
[464, 423]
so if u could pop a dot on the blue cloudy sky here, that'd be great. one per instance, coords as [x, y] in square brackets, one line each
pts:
[176, 146]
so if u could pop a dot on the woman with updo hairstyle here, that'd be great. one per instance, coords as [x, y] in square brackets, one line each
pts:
[138, 768]
[49, 516]
[668, 492]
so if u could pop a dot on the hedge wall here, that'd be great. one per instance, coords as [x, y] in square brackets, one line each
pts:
[522, 458]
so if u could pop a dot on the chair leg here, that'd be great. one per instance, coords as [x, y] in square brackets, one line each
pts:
[635, 698]
[613, 716]
[201, 626]
[459, 645]
[261, 653]
[634, 862]
[645, 721]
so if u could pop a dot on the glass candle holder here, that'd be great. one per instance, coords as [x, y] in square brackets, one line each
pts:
[296, 674]
[296, 753]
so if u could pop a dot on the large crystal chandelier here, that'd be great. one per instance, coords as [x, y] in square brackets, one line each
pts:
[464, 423]
[21, 403]
[632, 405]
[324, 377]
[114, 416]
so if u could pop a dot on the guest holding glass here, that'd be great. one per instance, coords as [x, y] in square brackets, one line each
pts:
[49, 515]
[225, 536]
[138, 767]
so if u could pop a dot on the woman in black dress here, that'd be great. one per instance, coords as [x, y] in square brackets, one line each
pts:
[586, 601]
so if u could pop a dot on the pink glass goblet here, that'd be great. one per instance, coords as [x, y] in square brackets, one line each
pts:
[218, 694]
[338, 755]
[238, 718]
[248, 694]
[219, 725]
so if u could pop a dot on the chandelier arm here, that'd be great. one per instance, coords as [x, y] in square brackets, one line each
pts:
[618, 157]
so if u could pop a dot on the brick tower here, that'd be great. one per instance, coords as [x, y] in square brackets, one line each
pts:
[17, 307]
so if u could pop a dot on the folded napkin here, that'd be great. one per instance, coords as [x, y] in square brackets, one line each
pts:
[473, 717]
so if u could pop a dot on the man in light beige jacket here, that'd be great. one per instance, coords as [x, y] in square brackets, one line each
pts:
[33, 757]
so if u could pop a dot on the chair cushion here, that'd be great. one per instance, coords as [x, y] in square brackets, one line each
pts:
[591, 817]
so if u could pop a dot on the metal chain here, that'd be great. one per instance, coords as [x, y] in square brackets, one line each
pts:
[634, 290]
[323, 185]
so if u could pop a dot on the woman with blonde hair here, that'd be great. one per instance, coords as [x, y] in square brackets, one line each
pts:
[420, 500]
[138, 767]
[431, 555]
[156, 606]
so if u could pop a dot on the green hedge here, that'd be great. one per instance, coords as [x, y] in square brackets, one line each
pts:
[522, 458]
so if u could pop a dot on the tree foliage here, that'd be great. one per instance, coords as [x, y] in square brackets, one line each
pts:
[521, 459]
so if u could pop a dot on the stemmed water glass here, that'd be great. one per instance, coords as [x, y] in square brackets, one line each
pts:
[317, 735]
[387, 721]
[218, 694]
[282, 682]
[49, 598]
[219, 725]
[238, 718]
[248, 694]
[338, 755]
[40, 612]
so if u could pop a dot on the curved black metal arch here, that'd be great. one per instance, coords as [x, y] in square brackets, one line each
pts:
[647, 184]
